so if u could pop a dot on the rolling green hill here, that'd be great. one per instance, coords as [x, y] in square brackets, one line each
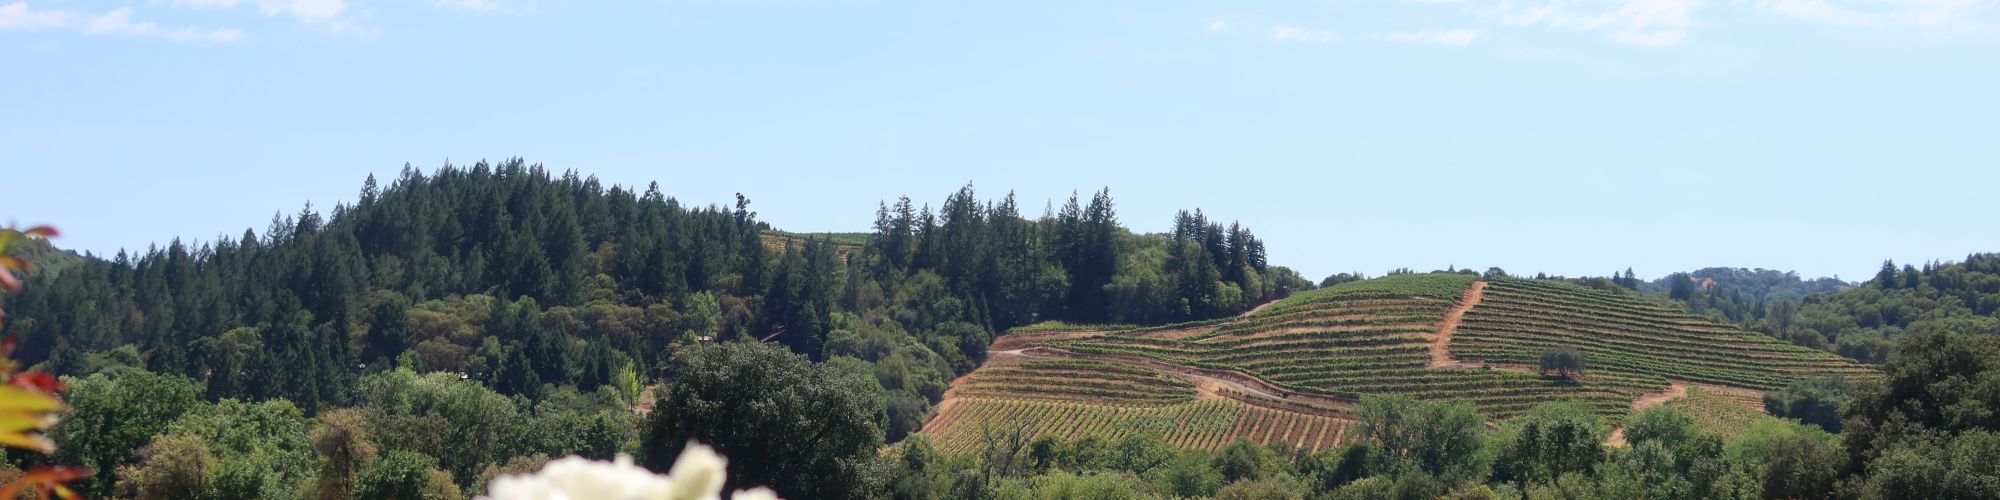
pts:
[1430, 336]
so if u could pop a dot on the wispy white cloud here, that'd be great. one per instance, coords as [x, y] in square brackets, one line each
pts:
[330, 15]
[21, 16]
[308, 11]
[17, 16]
[1936, 17]
[1647, 23]
[475, 5]
[205, 4]
[119, 22]
[1663, 23]
[1817, 10]
[1297, 34]
[1447, 38]
[1301, 35]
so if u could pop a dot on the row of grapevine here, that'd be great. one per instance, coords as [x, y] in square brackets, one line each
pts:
[1364, 338]
[1628, 337]
[1079, 379]
[1205, 424]
[1436, 285]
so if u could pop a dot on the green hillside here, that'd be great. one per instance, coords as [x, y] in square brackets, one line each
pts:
[1401, 335]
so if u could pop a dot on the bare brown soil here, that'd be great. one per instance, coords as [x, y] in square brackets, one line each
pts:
[1180, 333]
[1674, 391]
[1441, 342]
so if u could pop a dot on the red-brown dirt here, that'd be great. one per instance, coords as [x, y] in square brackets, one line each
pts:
[1441, 342]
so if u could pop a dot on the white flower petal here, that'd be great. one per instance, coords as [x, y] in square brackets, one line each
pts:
[698, 473]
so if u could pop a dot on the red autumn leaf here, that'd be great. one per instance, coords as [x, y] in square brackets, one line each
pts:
[40, 381]
[8, 282]
[44, 231]
[47, 479]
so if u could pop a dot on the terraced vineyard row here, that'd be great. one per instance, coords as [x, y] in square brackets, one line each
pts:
[1291, 371]
[1077, 379]
[1369, 337]
[1626, 336]
[1207, 424]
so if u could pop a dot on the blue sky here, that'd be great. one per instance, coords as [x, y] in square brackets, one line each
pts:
[1571, 137]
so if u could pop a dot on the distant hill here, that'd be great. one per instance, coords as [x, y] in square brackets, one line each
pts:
[1290, 372]
[1760, 285]
[1862, 322]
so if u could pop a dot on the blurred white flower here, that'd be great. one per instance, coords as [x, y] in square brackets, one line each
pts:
[697, 474]
[757, 493]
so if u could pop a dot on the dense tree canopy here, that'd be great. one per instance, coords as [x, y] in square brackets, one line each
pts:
[806, 429]
[572, 296]
[1862, 322]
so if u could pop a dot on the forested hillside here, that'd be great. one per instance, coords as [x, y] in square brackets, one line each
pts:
[556, 300]
[1757, 285]
[1862, 323]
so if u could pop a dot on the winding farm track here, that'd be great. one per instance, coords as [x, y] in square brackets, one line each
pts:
[1207, 380]
[1675, 390]
[1441, 341]
[1209, 383]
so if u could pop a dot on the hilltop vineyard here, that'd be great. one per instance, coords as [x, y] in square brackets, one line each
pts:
[1370, 337]
[1293, 370]
[1628, 340]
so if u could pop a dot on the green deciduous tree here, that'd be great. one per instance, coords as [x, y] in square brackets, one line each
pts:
[1435, 438]
[804, 429]
[261, 450]
[1552, 440]
[111, 417]
[1938, 385]
[1565, 361]
[344, 450]
[402, 475]
[173, 467]
[1816, 401]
